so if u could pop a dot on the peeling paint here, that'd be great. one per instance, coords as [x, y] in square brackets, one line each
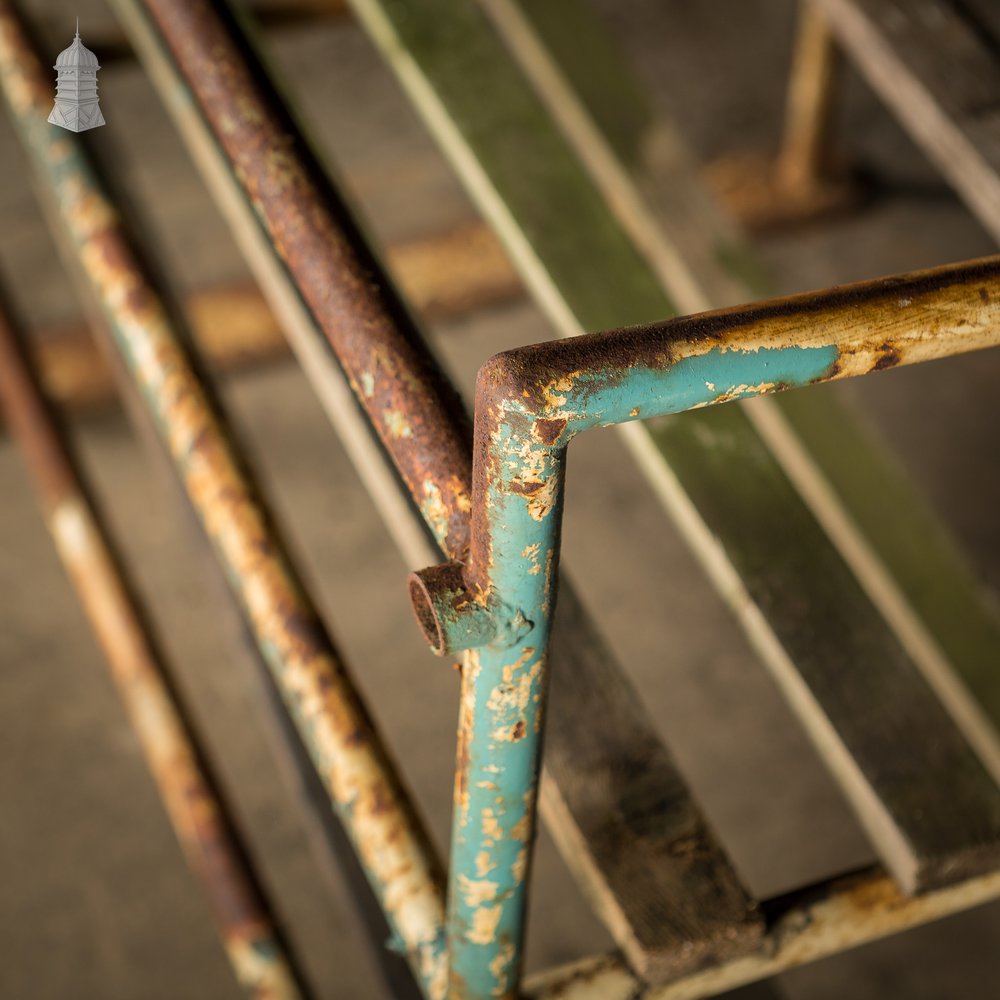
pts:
[477, 891]
[484, 925]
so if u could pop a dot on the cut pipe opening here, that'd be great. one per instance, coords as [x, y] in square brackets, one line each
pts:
[423, 611]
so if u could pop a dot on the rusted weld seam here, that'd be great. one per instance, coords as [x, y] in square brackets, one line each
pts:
[529, 404]
[363, 785]
[194, 803]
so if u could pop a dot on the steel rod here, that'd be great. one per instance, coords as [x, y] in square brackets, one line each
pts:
[201, 821]
[364, 786]
[415, 411]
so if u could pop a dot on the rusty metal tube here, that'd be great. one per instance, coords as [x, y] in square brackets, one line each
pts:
[412, 406]
[201, 821]
[530, 402]
[364, 786]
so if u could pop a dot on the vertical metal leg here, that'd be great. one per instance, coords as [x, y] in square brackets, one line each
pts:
[501, 603]
[802, 182]
[493, 826]
[809, 107]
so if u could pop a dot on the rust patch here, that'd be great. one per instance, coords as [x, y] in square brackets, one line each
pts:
[528, 374]
[888, 357]
[547, 430]
[525, 489]
[415, 410]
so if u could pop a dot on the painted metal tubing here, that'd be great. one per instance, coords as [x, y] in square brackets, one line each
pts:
[529, 404]
[201, 821]
[578, 646]
[804, 926]
[412, 406]
[364, 786]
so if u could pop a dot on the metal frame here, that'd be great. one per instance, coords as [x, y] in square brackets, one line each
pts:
[490, 497]
[530, 404]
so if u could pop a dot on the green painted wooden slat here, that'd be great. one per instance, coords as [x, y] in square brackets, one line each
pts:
[906, 535]
[853, 684]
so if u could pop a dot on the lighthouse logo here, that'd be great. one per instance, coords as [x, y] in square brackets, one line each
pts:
[76, 106]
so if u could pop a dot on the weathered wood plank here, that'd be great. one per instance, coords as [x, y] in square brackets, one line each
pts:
[882, 732]
[811, 924]
[443, 275]
[936, 65]
[625, 821]
[585, 268]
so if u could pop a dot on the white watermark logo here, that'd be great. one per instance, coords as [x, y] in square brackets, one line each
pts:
[76, 106]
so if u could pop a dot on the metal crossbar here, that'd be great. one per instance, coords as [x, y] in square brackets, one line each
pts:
[488, 496]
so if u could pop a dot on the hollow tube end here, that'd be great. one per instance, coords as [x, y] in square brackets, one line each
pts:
[449, 618]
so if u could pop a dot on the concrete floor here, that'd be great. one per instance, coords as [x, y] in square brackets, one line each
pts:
[96, 901]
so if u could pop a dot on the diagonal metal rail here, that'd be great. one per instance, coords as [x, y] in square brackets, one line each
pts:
[198, 813]
[377, 813]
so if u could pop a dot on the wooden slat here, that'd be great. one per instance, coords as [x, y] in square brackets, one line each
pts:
[804, 926]
[625, 822]
[923, 797]
[936, 65]
[443, 275]
[587, 272]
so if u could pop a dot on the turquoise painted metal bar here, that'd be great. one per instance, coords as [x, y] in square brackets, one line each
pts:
[529, 404]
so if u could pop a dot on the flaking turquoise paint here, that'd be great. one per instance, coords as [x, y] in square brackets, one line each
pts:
[602, 398]
[504, 688]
